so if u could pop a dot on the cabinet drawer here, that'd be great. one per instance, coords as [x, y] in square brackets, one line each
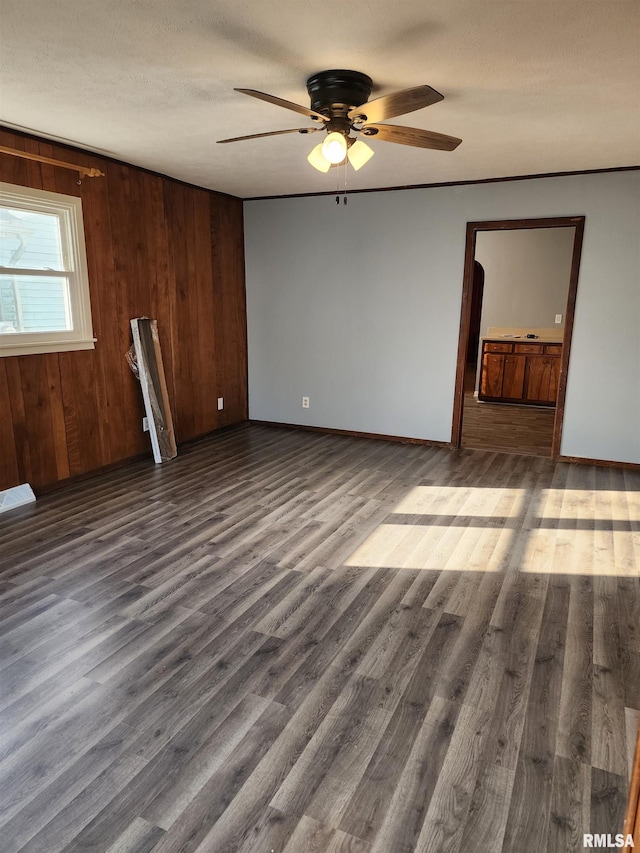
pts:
[530, 348]
[553, 349]
[491, 346]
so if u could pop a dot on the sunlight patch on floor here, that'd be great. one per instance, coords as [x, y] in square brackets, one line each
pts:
[409, 546]
[494, 549]
[476, 529]
[584, 552]
[456, 500]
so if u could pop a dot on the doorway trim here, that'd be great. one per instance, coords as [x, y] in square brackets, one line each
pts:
[473, 228]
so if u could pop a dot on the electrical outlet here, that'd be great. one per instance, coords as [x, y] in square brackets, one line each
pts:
[220, 403]
[305, 402]
[145, 425]
[558, 318]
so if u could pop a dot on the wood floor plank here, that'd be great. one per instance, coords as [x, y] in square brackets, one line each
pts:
[448, 810]
[203, 813]
[350, 636]
[532, 783]
[330, 799]
[167, 807]
[368, 808]
[108, 756]
[220, 685]
[632, 726]
[570, 810]
[403, 819]
[294, 641]
[309, 835]
[505, 730]
[488, 813]
[138, 837]
[608, 795]
[628, 621]
[455, 679]
[574, 727]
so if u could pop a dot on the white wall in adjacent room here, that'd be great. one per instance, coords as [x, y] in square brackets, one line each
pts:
[358, 307]
[526, 276]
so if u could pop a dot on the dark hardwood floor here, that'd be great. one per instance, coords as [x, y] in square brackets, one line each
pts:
[286, 641]
[505, 427]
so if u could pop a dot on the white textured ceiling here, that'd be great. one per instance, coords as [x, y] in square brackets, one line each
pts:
[531, 86]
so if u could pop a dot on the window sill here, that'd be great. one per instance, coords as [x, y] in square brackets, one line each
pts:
[42, 347]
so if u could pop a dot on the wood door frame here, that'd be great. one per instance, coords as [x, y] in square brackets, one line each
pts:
[473, 228]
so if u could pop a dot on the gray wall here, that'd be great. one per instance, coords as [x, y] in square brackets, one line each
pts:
[358, 307]
[526, 276]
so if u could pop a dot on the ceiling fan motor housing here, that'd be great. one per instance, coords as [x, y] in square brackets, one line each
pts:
[338, 91]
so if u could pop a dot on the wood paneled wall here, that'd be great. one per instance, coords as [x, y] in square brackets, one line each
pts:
[157, 248]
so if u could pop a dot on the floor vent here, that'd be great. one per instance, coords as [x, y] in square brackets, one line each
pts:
[17, 496]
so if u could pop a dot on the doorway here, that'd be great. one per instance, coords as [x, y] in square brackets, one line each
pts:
[535, 420]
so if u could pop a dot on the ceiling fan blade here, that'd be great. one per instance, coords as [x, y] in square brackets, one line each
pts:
[396, 104]
[411, 136]
[280, 102]
[272, 133]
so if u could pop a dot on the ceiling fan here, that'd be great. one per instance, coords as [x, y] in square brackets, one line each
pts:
[340, 106]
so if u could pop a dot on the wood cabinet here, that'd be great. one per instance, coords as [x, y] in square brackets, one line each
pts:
[513, 377]
[520, 372]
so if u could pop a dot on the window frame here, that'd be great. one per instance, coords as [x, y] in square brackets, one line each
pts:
[69, 210]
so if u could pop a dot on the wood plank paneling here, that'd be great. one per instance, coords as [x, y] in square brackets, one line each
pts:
[207, 398]
[112, 367]
[18, 420]
[155, 247]
[14, 170]
[177, 213]
[57, 416]
[38, 426]
[8, 452]
[230, 303]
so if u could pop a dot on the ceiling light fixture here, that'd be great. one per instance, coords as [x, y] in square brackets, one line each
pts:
[317, 160]
[358, 153]
[334, 147]
[340, 104]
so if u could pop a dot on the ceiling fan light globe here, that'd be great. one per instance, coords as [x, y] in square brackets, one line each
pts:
[317, 159]
[334, 147]
[359, 154]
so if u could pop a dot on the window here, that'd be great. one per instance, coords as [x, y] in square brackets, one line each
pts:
[44, 287]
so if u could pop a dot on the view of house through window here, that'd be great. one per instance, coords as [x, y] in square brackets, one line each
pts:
[30, 302]
[44, 294]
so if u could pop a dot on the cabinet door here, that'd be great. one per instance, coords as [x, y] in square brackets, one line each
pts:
[537, 377]
[492, 372]
[554, 379]
[513, 381]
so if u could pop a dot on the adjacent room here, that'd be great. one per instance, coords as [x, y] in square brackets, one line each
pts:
[519, 296]
[319, 458]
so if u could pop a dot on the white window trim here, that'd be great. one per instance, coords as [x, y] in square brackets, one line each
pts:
[80, 337]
